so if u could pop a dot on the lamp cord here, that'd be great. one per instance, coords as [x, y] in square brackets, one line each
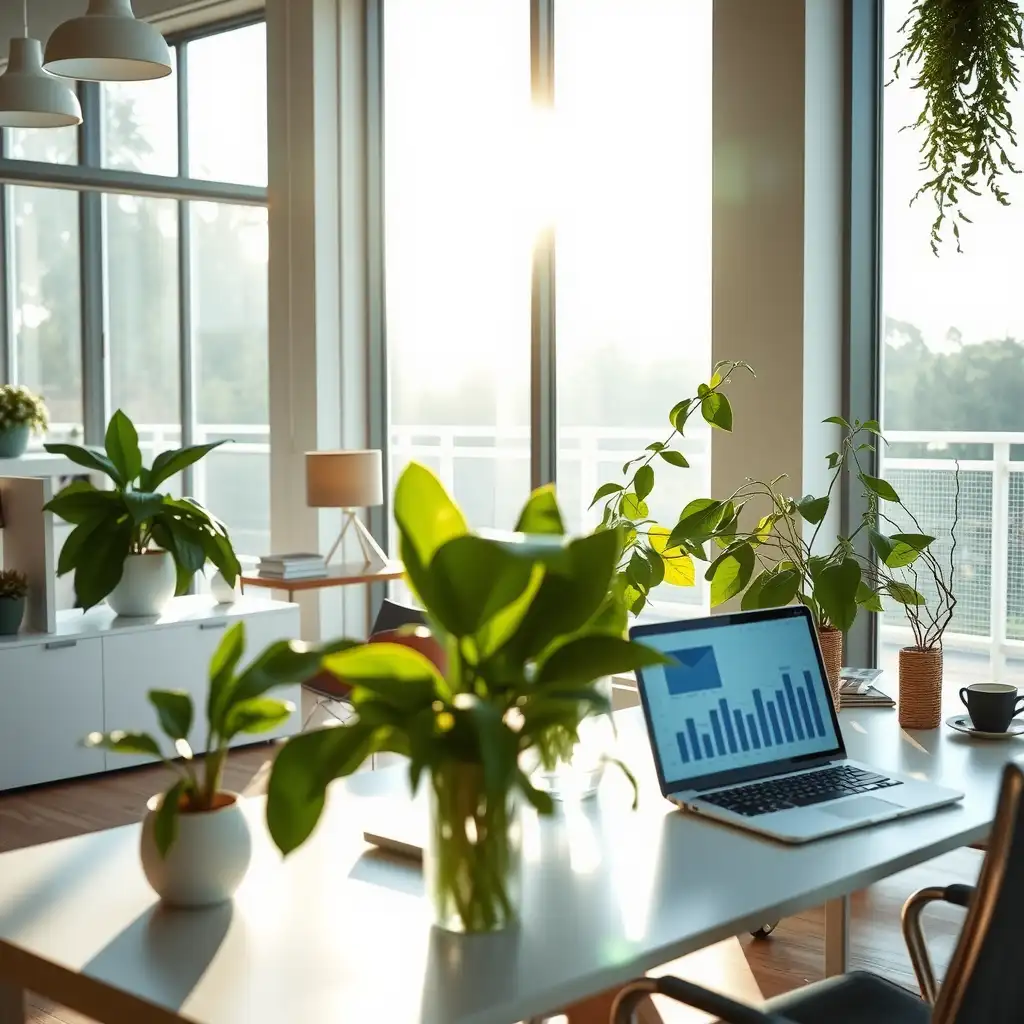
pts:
[24, 12]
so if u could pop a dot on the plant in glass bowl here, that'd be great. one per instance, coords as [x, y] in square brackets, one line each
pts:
[132, 544]
[21, 413]
[527, 627]
[13, 590]
[195, 844]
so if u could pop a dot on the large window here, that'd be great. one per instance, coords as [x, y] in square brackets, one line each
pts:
[152, 296]
[953, 376]
[617, 161]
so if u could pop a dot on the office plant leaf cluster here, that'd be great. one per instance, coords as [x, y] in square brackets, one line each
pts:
[528, 623]
[133, 516]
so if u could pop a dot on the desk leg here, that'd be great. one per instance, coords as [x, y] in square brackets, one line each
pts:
[837, 936]
[12, 1004]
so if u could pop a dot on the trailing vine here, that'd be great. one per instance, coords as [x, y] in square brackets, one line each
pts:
[964, 52]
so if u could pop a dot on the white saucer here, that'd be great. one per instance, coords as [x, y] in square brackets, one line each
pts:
[962, 723]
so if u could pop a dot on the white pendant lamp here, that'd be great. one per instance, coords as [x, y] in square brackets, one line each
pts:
[29, 97]
[107, 44]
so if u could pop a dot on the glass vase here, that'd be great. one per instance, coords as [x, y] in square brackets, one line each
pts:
[472, 861]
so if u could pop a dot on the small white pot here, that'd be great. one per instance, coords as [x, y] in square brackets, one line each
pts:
[207, 860]
[146, 586]
[223, 592]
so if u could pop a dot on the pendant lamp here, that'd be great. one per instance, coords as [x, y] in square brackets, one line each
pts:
[29, 97]
[107, 44]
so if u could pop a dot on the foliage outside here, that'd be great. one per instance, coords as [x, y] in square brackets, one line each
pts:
[134, 517]
[527, 628]
[237, 703]
[19, 407]
[13, 584]
[964, 53]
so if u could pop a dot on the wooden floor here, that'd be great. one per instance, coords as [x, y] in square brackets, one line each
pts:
[792, 956]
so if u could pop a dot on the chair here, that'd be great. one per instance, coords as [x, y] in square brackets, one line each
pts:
[984, 983]
[331, 691]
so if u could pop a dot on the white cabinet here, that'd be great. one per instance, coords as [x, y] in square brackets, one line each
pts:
[95, 673]
[51, 697]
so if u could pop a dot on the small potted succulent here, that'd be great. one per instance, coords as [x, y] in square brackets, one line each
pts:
[13, 588]
[196, 845]
[21, 413]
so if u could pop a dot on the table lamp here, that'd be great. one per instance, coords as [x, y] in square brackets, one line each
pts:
[348, 480]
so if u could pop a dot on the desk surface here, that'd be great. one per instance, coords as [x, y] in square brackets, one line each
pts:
[340, 933]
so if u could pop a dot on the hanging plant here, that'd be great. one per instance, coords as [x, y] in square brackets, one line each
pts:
[964, 54]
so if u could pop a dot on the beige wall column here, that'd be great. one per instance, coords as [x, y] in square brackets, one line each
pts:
[777, 253]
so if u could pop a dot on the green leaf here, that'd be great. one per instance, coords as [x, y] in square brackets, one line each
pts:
[222, 672]
[674, 458]
[541, 513]
[813, 509]
[717, 410]
[603, 491]
[678, 565]
[121, 742]
[917, 541]
[873, 426]
[657, 564]
[587, 658]
[471, 580]
[496, 743]
[638, 572]
[680, 413]
[868, 599]
[633, 508]
[779, 589]
[165, 823]
[122, 444]
[395, 673]
[896, 554]
[835, 590]
[174, 710]
[259, 714]
[540, 801]
[142, 505]
[697, 522]
[100, 563]
[91, 458]
[732, 572]
[881, 488]
[167, 464]
[643, 482]
[906, 595]
[81, 502]
[77, 541]
[751, 600]
[838, 420]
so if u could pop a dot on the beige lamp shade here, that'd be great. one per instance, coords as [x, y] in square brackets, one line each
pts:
[344, 479]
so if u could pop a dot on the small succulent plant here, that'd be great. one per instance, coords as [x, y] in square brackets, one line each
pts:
[13, 584]
[20, 407]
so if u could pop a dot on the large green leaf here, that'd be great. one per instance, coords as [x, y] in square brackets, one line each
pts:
[603, 491]
[835, 591]
[633, 508]
[868, 599]
[674, 458]
[541, 513]
[394, 673]
[77, 541]
[717, 410]
[222, 672]
[896, 554]
[174, 710]
[142, 505]
[260, 714]
[301, 773]
[167, 464]
[638, 571]
[165, 823]
[122, 444]
[779, 589]
[905, 594]
[496, 743]
[121, 742]
[91, 458]
[587, 658]
[81, 502]
[100, 563]
[697, 522]
[731, 573]
[471, 580]
[813, 509]
[680, 413]
[751, 599]
[643, 481]
[425, 513]
[880, 488]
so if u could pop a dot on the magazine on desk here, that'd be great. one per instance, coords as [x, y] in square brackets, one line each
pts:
[856, 689]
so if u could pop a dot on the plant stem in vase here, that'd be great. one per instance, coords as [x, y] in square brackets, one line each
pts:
[831, 643]
[920, 703]
[472, 860]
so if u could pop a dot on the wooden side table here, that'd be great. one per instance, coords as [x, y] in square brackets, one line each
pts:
[336, 576]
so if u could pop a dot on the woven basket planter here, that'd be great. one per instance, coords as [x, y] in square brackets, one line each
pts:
[920, 700]
[831, 643]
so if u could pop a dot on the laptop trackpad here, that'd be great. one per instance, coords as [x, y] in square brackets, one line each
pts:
[861, 807]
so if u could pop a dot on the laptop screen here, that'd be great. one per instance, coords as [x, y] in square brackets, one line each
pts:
[744, 691]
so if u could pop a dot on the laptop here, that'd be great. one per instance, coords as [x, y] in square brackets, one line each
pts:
[743, 730]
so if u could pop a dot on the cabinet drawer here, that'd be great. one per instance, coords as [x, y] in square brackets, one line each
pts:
[51, 696]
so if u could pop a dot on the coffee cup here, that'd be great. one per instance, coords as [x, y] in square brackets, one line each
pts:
[991, 706]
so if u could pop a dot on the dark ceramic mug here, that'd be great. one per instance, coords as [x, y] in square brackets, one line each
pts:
[992, 706]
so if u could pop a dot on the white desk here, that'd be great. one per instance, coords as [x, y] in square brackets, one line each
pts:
[337, 933]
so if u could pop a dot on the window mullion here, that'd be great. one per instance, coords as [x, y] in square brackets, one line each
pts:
[6, 294]
[187, 403]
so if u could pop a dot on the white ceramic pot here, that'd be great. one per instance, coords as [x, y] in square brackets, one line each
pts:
[223, 592]
[146, 586]
[207, 860]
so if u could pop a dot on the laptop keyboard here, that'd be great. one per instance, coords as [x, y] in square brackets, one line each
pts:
[798, 790]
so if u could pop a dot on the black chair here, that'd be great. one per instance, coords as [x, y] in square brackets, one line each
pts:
[331, 691]
[984, 983]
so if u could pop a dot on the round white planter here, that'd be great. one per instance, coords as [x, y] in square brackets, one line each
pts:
[146, 586]
[223, 592]
[207, 860]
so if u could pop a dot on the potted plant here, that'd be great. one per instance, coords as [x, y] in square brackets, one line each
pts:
[21, 413]
[195, 844]
[131, 544]
[527, 629]
[13, 588]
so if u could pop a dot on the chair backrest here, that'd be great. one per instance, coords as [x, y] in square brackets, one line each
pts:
[393, 615]
[985, 978]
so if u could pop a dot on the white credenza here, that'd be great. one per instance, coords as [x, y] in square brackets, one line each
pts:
[94, 672]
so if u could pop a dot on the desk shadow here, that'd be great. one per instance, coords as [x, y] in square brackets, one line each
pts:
[389, 871]
[164, 952]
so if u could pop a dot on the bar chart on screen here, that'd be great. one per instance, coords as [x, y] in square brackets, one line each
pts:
[786, 715]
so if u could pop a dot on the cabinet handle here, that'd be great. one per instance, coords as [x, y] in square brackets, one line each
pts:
[213, 625]
[56, 645]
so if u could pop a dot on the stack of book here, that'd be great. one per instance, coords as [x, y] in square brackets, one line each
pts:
[298, 565]
[856, 689]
